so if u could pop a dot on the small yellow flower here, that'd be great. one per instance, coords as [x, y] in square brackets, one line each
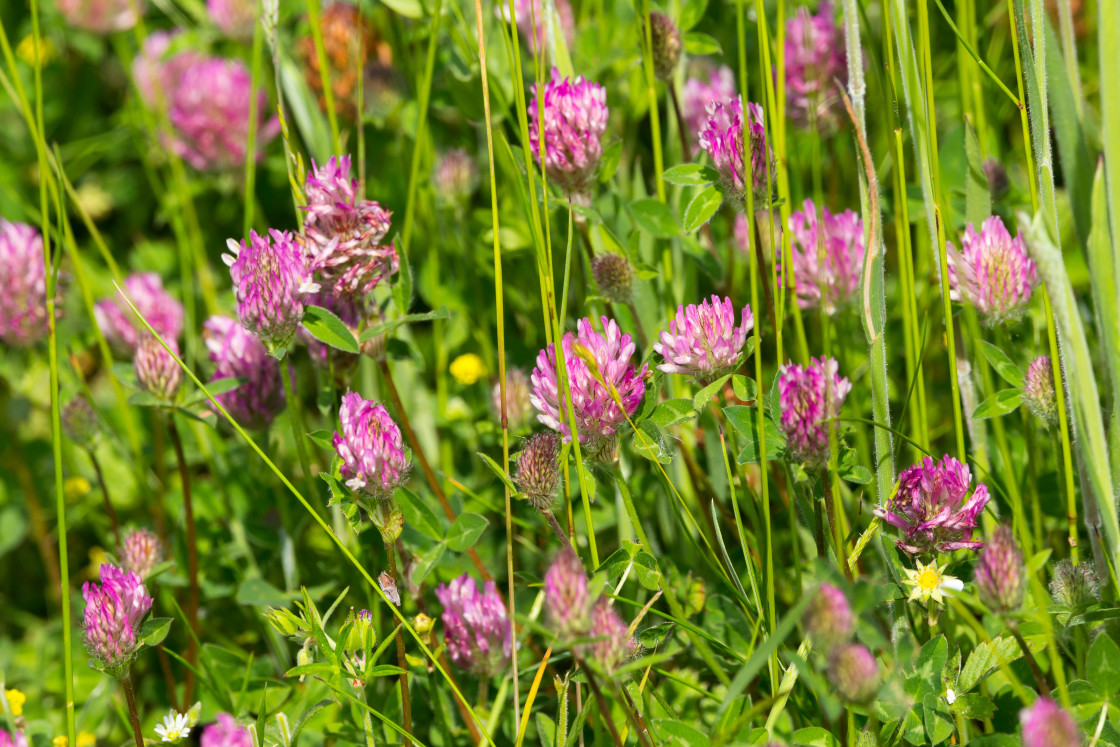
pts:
[422, 623]
[16, 699]
[86, 739]
[26, 50]
[930, 582]
[467, 369]
[60, 741]
[75, 488]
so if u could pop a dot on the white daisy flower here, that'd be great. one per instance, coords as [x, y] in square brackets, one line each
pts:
[175, 727]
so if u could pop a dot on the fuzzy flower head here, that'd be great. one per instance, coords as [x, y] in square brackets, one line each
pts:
[992, 272]
[810, 395]
[538, 469]
[114, 610]
[854, 673]
[1074, 586]
[826, 273]
[929, 582]
[23, 275]
[614, 276]
[344, 234]
[120, 326]
[703, 341]
[702, 92]
[209, 110]
[370, 446]
[80, 422]
[611, 643]
[815, 60]
[236, 353]
[271, 280]
[1047, 724]
[101, 16]
[518, 407]
[933, 507]
[226, 733]
[140, 552]
[1038, 390]
[829, 618]
[667, 44]
[575, 118]
[156, 371]
[597, 416]
[567, 601]
[455, 178]
[1000, 576]
[722, 138]
[175, 727]
[235, 18]
[476, 626]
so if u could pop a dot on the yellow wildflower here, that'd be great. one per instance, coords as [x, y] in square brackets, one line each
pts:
[26, 50]
[467, 369]
[60, 741]
[16, 699]
[930, 582]
[86, 739]
[75, 488]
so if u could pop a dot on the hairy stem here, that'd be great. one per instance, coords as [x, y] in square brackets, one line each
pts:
[133, 715]
[192, 561]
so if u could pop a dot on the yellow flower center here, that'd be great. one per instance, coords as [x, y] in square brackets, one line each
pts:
[929, 579]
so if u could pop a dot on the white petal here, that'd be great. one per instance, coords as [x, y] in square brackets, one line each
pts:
[234, 246]
[950, 695]
[952, 584]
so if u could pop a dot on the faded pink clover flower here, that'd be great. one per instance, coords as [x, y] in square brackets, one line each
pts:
[992, 272]
[833, 279]
[236, 18]
[1047, 724]
[567, 600]
[476, 626]
[226, 732]
[140, 552]
[101, 16]
[236, 353]
[23, 275]
[120, 326]
[575, 118]
[370, 446]
[156, 371]
[702, 340]
[809, 396]
[722, 139]
[815, 62]
[700, 93]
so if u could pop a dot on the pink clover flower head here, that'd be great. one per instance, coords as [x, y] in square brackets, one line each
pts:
[226, 732]
[567, 601]
[721, 137]
[1000, 575]
[575, 118]
[156, 72]
[538, 469]
[933, 508]
[114, 610]
[101, 16]
[476, 626]
[700, 93]
[836, 280]
[271, 281]
[815, 60]
[611, 643]
[209, 109]
[809, 396]
[518, 407]
[597, 416]
[829, 618]
[141, 551]
[156, 371]
[236, 353]
[120, 326]
[992, 272]
[703, 341]
[344, 234]
[1038, 390]
[1047, 724]
[370, 446]
[235, 18]
[455, 177]
[854, 673]
[23, 275]
[18, 739]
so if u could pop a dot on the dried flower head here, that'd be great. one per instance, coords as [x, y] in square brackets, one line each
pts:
[854, 673]
[831, 269]
[156, 371]
[1000, 576]
[742, 165]
[828, 618]
[120, 326]
[614, 276]
[1038, 390]
[567, 601]
[23, 275]
[80, 422]
[236, 19]
[352, 45]
[345, 234]
[809, 396]
[815, 61]
[992, 272]
[271, 281]
[140, 552]
[114, 610]
[700, 93]
[1074, 586]
[703, 341]
[597, 416]
[236, 353]
[666, 43]
[476, 626]
[574, 119]
[518, 407]
[1047, 724]
[538, 469]
[370, 446]
[226, 733]
[933, 507]
[101, 16]
[611, 643]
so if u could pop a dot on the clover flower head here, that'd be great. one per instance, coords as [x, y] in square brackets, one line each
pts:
[370, 446]
[80, 422]
[1000, 575]
[1074, 586]
[703, 341]
[810, 396]
[236, 353]
[235, 18]
[538, 469]
[597, 415]
[115, 607]
[827, 256]
[156, 370]
[23, 275]
[17, 739]
[992, 272]
[455, 178]
[854, 673]
[101, 16]
[701, 92]
[122, 329]
[934, 508]
[614, 276]
[226, 732]
[667, 44]
[1038, 390]
[1047, 724]
[476, 626]
[567, 601]
[574, 120]
[611, 643]
[140, 552]
[815, 60]
[518, 407]
[157, 72]
[828, 618]
[533, 22]
[722, 138]
[352, 48]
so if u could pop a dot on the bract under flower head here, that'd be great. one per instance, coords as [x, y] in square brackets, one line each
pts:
[23, 275]
[370, 446]
[832, 279]
[992, 272]
[933, 507]
[575, 118]
[810, 396]
[114, 610]
[159, 308]
[236, 353]
[702, 340]
[476, 626]
[815, 61]
[722, 138]
[597, 415]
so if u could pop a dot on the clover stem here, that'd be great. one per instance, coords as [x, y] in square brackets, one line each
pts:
[402, 662]
[133, 716]
[192, 560]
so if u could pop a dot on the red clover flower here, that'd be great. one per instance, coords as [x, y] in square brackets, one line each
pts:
[575, 118]
[809, 396]
[476, 626]
[703, 341]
